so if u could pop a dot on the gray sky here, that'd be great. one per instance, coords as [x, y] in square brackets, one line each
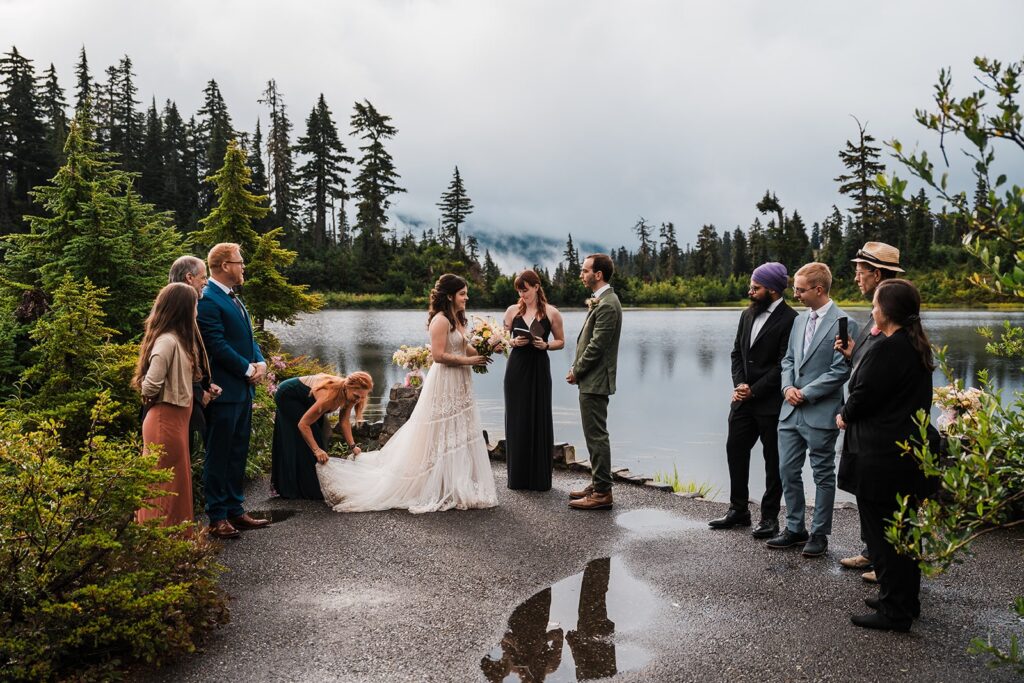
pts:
[563, 116]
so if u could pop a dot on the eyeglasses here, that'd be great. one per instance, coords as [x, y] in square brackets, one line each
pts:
[241, 263]
[801, 290]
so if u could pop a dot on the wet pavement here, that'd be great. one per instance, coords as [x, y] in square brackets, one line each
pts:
[534, 591]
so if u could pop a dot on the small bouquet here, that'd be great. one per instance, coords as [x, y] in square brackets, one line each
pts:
[958, 407]
[415, 359]
[488, 337]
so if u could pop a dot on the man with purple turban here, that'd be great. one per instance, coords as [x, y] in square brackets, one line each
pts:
[761, 341]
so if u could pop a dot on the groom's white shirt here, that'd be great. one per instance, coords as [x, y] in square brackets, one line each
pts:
[599, 292]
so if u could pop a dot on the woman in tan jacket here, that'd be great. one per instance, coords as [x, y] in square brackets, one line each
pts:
[171, 358]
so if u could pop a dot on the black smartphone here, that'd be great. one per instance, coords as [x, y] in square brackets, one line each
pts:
[844, 334]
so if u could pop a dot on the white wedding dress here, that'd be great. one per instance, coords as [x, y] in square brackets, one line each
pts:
[435, 461]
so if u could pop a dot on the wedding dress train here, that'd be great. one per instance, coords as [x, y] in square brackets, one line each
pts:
[435, 461]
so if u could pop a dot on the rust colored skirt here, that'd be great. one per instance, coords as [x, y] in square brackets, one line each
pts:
[167, 425]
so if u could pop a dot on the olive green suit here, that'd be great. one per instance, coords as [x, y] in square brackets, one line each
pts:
[597, 350]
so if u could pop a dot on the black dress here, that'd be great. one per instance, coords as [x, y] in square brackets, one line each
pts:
[529, 432]
[293, 465]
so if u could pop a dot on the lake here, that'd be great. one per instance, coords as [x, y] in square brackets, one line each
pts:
[674, 378]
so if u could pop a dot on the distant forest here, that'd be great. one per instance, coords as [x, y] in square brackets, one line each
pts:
[331, 193]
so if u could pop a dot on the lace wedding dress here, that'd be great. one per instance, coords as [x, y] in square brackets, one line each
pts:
[436, 461]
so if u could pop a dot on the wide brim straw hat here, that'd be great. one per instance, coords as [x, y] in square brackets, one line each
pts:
[880, 255]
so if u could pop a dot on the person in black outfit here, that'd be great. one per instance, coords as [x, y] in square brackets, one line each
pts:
[536, 328]
[890, 385]
[875, 263]
[761, 341]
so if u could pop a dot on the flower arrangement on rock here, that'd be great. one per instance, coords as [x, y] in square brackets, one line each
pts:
[488, 337]
[958, 406]
[415, 359]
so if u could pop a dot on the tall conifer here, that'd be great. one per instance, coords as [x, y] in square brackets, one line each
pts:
[455, 206]
[321, 178]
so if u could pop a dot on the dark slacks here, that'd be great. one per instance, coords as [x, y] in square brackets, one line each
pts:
[745, 429]
[899, 577]
[594, 415]
[228, 427]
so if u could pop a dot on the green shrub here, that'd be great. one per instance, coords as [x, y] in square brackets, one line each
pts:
[86, 590]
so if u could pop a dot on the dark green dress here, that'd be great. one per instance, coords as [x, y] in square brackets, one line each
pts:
[293, 466]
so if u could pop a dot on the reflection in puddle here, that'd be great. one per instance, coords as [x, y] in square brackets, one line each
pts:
[277, 515]
[651, 521]
[578, 629]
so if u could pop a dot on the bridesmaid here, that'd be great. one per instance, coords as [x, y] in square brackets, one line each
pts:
[536, 328]
[171, 358]
[300, 427]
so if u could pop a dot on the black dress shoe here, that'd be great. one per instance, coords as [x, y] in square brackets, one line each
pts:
[787, 539]
[875, 603]
[732, 518]
[879, 621]
[766, 528]
[816, 545]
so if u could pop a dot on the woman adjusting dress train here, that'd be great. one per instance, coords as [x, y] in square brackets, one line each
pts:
[437, 460]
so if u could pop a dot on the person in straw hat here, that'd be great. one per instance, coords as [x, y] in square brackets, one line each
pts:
[874, 263]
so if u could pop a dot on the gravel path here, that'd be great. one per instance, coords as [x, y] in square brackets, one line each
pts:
[390, 596]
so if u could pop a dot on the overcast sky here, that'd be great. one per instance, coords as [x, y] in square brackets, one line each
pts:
[563, 116]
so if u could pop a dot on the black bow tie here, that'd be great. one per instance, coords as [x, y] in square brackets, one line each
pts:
[232, 294]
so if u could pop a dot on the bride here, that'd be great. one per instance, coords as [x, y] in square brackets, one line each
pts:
[437, 460]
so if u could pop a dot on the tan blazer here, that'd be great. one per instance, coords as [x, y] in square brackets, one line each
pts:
[169, 378]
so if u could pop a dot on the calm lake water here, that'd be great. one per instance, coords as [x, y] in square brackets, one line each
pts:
[674, 377]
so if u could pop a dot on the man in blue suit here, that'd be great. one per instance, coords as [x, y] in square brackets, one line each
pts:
[813, 375]
[237, 366]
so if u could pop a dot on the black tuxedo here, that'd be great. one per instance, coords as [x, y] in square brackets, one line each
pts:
[758, 365]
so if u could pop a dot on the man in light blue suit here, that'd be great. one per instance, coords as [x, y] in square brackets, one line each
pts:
[237, 365]
[813, 375]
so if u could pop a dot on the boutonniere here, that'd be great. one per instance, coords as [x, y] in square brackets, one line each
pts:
[591, 302]
[875, 332]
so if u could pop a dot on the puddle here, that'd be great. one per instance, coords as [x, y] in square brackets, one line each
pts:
[278, 515]
[581, 628]
[651, 522]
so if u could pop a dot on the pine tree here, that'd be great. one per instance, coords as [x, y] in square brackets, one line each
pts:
[491, 271]
[740, 253]
[670, 256]
[281, 172]
[708, 252]
[796, 245]
[573, 265]
[861, 162]
[267, 293]
[55, 110]
[757, 244]
[152, 181]
[725, 261]
[920, 225]
[129, 118]
[254, 161]
[26, 157]
[214, 133]
[179, 192]
[832, 252]
[775, 233]
[455, 207]
[84, 90]
[645, 255]
[376, 183]
[472, 249]
[321, 179]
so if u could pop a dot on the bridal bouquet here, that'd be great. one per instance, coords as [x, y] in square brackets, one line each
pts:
[958, 406]
[488, 337]
[415, 359]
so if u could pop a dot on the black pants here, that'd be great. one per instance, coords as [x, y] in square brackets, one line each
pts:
[899, 577]
[744, 431]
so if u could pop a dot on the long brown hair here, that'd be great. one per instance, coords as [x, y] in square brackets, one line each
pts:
[174, 312]
[529, 277]
[334, 389]
[441, 299]
[901, 303]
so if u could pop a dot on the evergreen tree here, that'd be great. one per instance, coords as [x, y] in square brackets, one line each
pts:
[796, 249]
[95, 226]
[757, 244]
[254, 160]
[455, 207]
[322, 177]
[816, 239]
[376, 183]
[281, 171]
[472, 249]
[214, 132]
[179, 191]
[130, 120]
[832, 252]
[725, 259]
[740, 253]
[491, 271]
[707, 252]
[84, 90]
[920, 225]
[573, 265]
[268, 294]
[152, 182]
[55, 111]
[861, 162]
[669, 260]
[645, 255]
[26, 157]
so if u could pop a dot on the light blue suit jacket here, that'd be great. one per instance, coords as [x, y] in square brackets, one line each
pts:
[820, 374]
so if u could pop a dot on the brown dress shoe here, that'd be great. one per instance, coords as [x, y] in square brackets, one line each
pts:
[870, 577]
[595, 501]
[222, 529]
[856, 562]
[576, 495]
[244, 521]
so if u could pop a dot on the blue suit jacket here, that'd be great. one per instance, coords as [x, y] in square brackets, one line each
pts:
[821, 373]
[230, 344]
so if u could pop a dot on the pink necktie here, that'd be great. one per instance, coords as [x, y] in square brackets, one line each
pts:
[809, 331]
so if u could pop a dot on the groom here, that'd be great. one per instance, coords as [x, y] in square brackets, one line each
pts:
[593, 371]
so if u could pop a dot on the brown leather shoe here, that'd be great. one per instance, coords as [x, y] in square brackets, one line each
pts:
[576, 495]
[244, 521]
[595, 501]
[222, 529]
